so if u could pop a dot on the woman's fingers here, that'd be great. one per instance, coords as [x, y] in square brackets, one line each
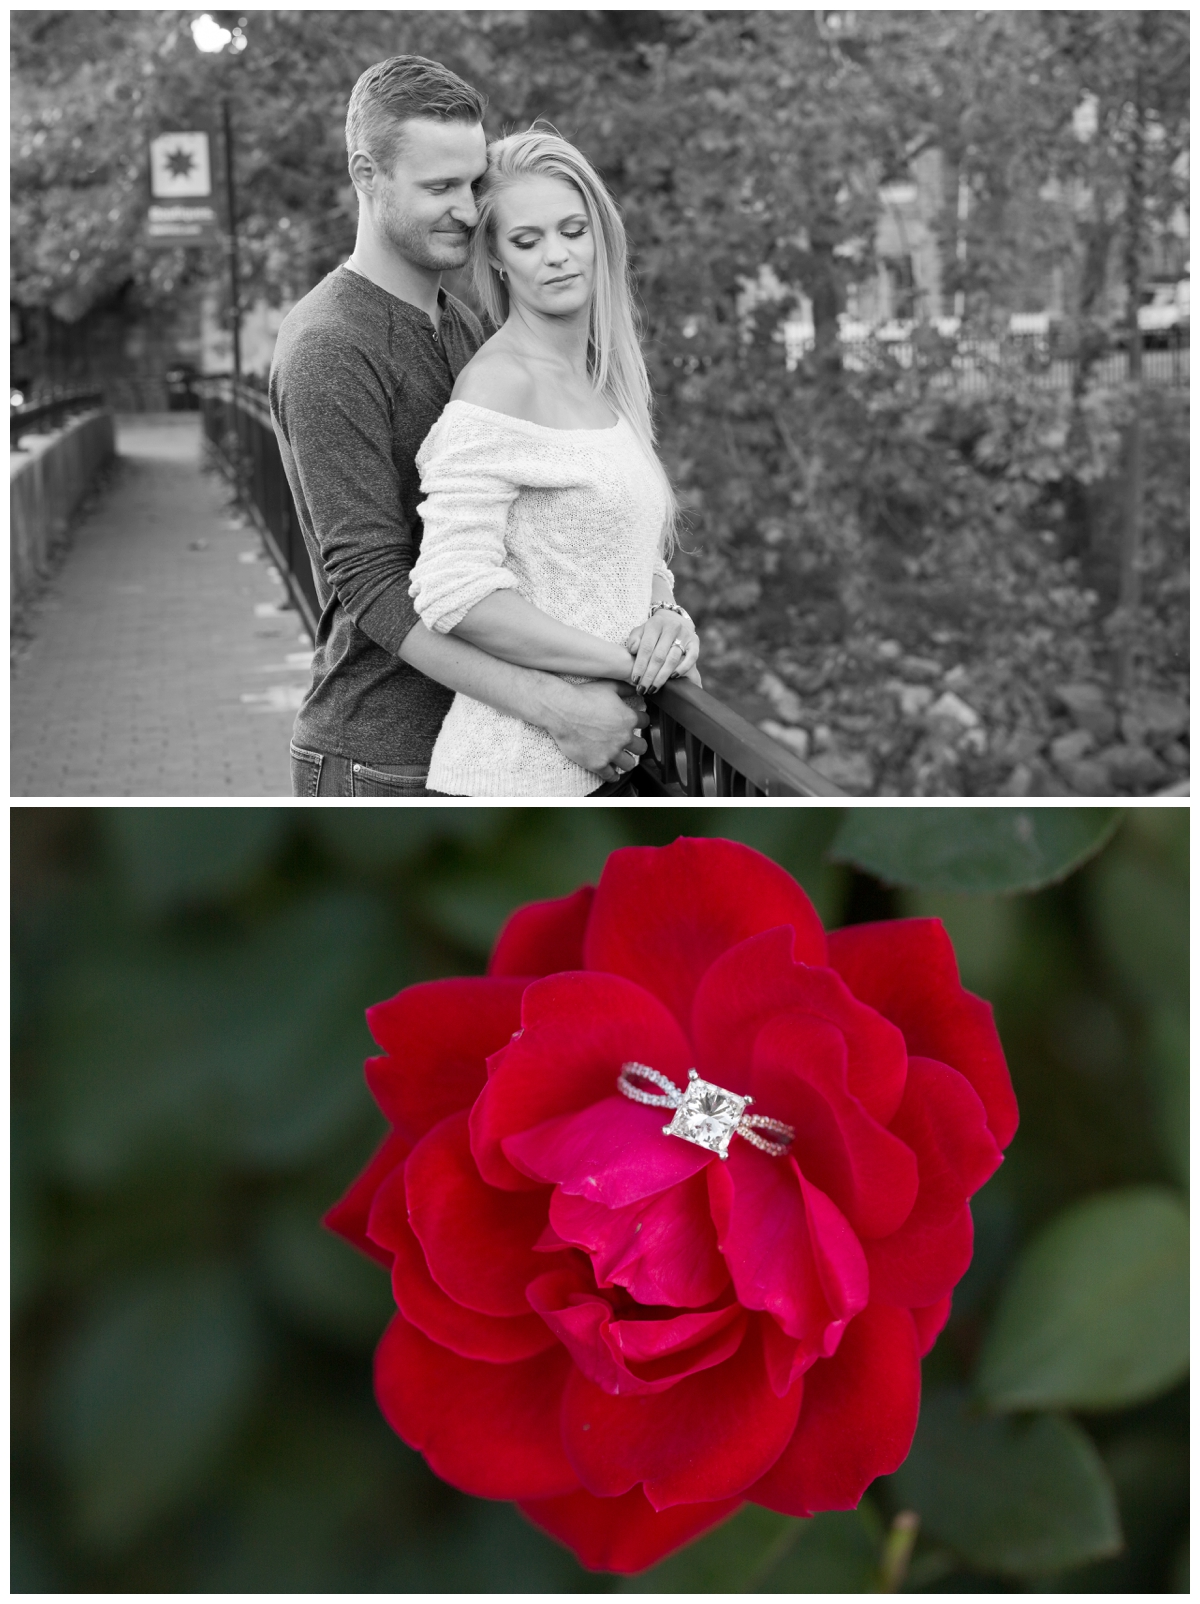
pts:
[680, 655]
[688, 660]
[660, 658]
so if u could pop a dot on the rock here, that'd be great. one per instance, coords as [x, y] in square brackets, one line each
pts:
[1134, 768]
[1070, 748]
[822, 738]
[1089, 708]
[956, 678]
[1155, 718]
[1018, 782]
[1086, 776]
[1177, 755]
[782, 698]
[790, 735]
[1020, 747]
[889, 650]
[954, 710]
[914, 699]
[920, 668]
[851, 771]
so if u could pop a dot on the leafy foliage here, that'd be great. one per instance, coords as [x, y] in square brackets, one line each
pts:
[191, 1353]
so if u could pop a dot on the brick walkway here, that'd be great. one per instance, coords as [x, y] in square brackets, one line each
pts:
[159, 660]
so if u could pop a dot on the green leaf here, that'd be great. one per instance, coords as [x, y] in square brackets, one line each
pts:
[727, 1560]
[319, 1280]
[148, 1393]
[187, 854]
[1141, 913]
[834, 1553]
[1170, 1091]
[381, 838]
[1095, 1315]
[1025, 1496]
[972, 849]
[243, 1044]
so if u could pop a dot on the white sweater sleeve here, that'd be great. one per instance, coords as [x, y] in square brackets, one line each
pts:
[468, 491]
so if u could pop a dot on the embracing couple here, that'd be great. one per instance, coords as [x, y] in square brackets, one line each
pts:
[487, 518]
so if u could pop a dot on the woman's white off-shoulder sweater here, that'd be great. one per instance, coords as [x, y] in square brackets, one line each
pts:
[572, 519]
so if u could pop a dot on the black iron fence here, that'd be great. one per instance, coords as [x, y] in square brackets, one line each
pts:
[51, 412]
[699, 747]
[239, 430]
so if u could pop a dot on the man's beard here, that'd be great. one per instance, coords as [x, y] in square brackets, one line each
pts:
[419, 245]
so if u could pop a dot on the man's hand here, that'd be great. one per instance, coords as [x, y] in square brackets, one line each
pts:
[596, 725]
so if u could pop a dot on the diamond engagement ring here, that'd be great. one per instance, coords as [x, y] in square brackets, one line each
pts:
[705, 1114]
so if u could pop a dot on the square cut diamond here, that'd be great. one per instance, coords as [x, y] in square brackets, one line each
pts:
[707, 1116]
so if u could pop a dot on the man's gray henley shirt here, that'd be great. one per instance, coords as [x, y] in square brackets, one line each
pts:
[358, 380]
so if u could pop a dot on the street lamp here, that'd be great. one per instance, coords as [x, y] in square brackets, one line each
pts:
[211, 38]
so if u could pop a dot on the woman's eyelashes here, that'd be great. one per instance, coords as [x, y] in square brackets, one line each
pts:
[528, 244]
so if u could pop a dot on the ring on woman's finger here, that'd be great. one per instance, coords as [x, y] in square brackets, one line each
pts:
[677, 646]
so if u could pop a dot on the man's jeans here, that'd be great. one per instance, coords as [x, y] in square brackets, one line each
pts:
[323, 774]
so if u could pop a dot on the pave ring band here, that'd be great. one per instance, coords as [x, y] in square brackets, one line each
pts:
[705, 1114]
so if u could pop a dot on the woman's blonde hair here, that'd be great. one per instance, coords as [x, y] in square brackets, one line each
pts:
[615, 362]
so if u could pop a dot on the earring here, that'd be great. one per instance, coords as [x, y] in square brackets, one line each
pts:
[503, 275]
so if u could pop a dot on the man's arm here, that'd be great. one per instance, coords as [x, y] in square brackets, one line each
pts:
[590, 724]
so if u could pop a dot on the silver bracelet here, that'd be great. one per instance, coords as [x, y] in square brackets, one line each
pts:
[669, 607]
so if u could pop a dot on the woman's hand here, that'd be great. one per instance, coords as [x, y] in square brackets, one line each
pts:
[665, 646]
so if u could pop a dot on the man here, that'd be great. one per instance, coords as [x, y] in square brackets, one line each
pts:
[363, 366]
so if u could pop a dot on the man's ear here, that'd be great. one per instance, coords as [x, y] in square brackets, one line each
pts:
[362, 170]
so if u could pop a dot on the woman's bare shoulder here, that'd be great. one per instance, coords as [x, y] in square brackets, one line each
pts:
[500, 381]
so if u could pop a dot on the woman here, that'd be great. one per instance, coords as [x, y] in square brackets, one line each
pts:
[548, 515]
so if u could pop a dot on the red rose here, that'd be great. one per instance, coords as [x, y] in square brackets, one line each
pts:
[623, 1332]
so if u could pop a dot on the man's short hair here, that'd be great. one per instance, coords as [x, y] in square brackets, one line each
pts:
[392, 91]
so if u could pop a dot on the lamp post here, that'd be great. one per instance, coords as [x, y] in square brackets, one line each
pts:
[211, 39]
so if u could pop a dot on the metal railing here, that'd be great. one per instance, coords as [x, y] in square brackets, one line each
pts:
[698, 746]
[239, 430]
[50, 413]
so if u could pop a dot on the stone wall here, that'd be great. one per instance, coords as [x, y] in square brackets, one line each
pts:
[48, 476]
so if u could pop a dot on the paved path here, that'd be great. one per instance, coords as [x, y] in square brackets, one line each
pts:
[160, 660]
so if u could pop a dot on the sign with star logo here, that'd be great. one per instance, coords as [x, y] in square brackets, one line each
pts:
[179, 167]
[181, 199]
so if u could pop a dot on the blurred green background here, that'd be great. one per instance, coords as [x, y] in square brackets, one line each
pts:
[191, 1353]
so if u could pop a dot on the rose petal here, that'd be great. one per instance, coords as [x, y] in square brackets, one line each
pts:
[488, 1429]
[478, 1241]
[706, 1438]
[799, 1076]
[623, 1534]
[423, 1303]
[577, 1031]
[663, 915]
[907, 970]
[662, 1249]
[349, 1216]
[607, 1349]
[857, 1421]
[753, 983]
[786, 1360]
[438, 1037]
[612, 1153]
[944, 1123]
[789, 1250]
[543, 938]
[930, 1323]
